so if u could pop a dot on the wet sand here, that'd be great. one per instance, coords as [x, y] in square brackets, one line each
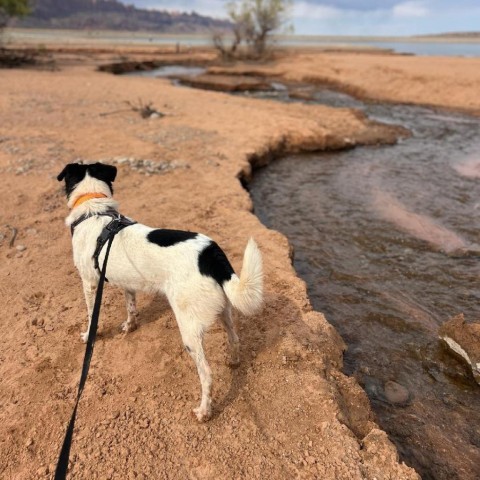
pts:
[288, 411]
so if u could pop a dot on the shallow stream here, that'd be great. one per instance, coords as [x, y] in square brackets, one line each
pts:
[385, 238]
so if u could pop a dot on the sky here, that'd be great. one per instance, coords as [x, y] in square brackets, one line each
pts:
[355, 17]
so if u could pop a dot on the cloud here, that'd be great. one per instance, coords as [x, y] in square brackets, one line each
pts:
[356, 5]
[375, 5]
[410, 9]
[354, 17]
[312, 11]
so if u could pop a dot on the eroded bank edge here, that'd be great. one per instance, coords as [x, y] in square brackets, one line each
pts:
[355, 410]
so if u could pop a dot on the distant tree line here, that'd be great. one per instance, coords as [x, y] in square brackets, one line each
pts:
[12, 8]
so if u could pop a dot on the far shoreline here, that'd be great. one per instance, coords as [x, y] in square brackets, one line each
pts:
[34, 35]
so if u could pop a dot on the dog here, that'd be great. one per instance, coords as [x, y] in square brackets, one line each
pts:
[189, 268]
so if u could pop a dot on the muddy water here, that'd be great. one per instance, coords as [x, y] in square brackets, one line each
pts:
[386, 239]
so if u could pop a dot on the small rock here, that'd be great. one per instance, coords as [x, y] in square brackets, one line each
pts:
[21, 248]
[144, 424]
[42, 471]
[396, 394]
[463, 339]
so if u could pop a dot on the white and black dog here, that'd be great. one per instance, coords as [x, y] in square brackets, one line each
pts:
[189, 268]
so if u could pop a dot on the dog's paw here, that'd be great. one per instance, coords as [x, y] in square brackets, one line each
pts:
[128, 326]
[84, 337]
[202, 414]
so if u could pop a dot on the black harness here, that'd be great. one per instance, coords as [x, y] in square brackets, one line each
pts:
[118, 222]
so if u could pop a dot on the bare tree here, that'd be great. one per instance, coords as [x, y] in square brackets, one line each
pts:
[12, 8]
[253, 22]
[11, 57]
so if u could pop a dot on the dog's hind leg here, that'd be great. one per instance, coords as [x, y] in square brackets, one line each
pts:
[192, 337]
[89, 289]
[233, 340]
[131, 323]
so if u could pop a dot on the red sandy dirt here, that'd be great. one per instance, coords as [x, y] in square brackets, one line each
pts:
[449, 82]
[286, 412]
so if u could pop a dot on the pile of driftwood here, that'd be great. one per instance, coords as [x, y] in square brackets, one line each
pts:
[11, 58]
[24, 57]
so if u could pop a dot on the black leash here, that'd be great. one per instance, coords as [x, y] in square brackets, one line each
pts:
[113, 228]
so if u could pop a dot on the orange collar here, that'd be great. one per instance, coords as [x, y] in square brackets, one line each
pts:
[87, 196]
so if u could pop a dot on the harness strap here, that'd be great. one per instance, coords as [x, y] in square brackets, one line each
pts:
[107, 213]
[117, 224]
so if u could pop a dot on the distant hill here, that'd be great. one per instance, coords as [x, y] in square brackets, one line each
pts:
[114, 15]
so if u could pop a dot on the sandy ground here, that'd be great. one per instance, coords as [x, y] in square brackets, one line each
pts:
[449, 82]
[287, 411]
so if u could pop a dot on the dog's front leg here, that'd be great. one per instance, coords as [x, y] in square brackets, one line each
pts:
[89, 289]
[131, 323]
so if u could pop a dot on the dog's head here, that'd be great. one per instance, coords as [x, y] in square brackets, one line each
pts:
[88, 178]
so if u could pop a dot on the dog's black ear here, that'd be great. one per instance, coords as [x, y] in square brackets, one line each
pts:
[106, 173]
[72, 169]
[62, 174]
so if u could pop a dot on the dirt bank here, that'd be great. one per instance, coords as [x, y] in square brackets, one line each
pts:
[287, 412]
[450, 82]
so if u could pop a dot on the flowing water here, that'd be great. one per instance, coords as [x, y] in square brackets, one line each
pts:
[167, 71]
[386, 239]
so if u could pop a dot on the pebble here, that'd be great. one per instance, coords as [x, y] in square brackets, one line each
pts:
[147, 166]
[42, 471]
[395, 393]
[21, 248]
[144, 424]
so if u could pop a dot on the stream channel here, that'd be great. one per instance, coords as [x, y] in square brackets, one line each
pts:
[383, 237]
[371, 228]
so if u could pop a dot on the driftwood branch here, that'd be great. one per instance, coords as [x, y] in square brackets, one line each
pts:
[146, 110]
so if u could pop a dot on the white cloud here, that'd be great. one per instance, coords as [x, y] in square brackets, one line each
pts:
[312, 11]
[410, 9]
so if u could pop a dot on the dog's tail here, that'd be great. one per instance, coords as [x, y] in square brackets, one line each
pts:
[246, 293]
